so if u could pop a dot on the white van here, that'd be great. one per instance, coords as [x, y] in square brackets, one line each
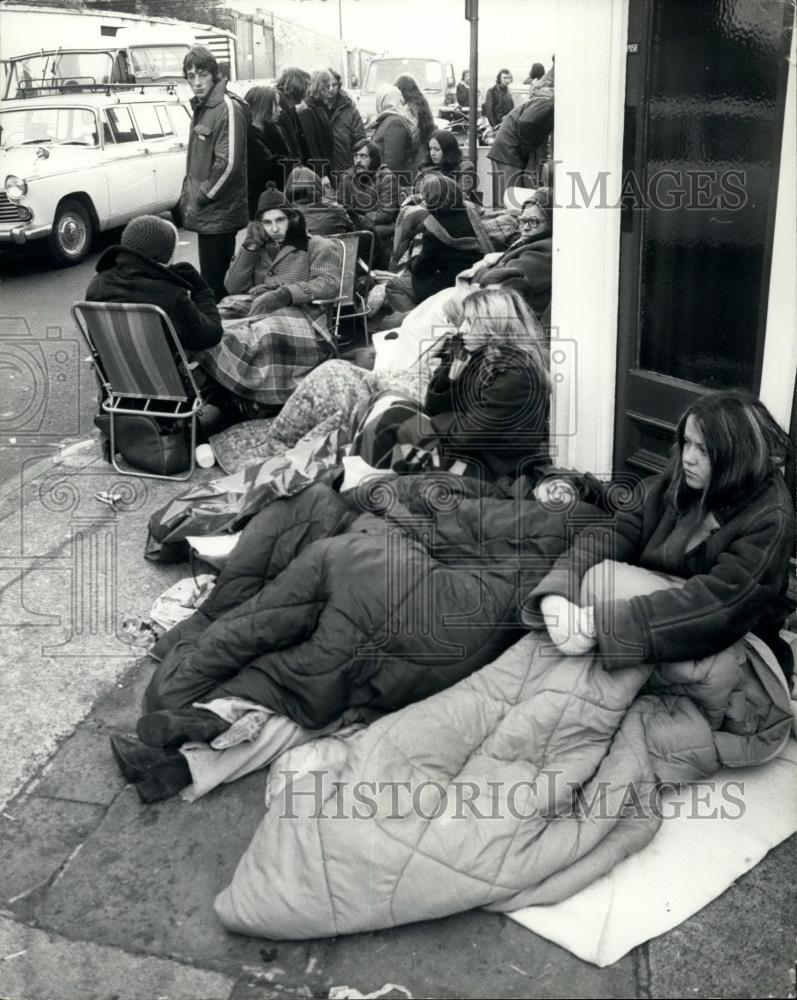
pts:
[434, 78]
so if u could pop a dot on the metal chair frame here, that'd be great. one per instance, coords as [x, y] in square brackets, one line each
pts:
[348, 297]
[124, 399]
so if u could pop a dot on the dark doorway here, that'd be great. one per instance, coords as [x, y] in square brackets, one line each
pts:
[705, 95]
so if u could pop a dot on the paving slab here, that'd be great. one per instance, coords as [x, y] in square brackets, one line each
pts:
[35, 965]
[474, 954]
[147, 877]
[741, 945]
[83, 770]
[70, 569]
[37, 836]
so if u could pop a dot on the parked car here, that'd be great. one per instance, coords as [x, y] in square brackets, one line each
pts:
[79, 163]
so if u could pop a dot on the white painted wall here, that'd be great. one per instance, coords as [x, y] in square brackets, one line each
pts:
[780, 347]
[590, 92]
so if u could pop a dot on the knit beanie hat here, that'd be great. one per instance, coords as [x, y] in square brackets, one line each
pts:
[271, 198]
[152, 237]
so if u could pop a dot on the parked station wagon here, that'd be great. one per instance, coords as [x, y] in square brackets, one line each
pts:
[75, 164]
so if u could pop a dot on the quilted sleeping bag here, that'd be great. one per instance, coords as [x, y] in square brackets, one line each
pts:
[519, 785]
[366, 602]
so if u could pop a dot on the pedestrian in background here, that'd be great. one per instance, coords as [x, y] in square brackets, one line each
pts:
[214, 197]
[317, 124]
[291, 87]
[498, 102]
[265, 148]
[393, 133]
[537, 72]
[463, 90]
[419, 114]
[347, 127]
[520, 147]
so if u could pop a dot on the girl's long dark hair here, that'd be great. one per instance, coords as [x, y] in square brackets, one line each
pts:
[744, 445]
[452, 153]
[412, 96]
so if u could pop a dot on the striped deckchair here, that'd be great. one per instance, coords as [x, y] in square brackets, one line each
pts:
[142, 367]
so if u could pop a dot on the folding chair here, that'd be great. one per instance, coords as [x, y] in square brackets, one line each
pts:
[348, 297]
[142, 367]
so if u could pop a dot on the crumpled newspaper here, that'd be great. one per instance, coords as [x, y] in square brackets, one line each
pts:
[181, 600]
[349, 993]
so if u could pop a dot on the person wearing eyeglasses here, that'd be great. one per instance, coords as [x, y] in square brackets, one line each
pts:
[526, 265]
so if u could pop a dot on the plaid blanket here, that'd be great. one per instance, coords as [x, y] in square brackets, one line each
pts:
[263, 358]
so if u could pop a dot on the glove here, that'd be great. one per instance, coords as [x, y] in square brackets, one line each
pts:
[269, 301]
[255, 235]
[189, 274]
[571, 628]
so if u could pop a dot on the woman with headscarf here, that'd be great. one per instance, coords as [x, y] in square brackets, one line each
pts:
[316, 123]
[265, 148]
[393, 133]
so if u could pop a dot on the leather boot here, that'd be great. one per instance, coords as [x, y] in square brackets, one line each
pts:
[173, 727]
[157, 774]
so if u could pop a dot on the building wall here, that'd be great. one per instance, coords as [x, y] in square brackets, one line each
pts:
[588, 141]
[268, 43]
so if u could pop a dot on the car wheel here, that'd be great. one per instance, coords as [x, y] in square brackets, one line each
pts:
[70, 239]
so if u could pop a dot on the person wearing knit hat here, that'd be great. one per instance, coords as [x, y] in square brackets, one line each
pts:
[152, 237]
[270, 198]
[138, 270]
[277, 330]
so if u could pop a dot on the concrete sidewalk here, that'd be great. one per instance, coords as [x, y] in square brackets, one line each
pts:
[105, 897]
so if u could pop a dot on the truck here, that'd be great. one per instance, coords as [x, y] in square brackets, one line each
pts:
[434, 78]
[144, 48]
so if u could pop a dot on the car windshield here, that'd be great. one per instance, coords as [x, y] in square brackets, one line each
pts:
[427, 73]
[156, 61]
[66, 126]
[49, 72]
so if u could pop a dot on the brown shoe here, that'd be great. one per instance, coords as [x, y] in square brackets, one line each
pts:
[172, 727]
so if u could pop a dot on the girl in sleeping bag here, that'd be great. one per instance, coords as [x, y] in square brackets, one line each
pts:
[699, 560]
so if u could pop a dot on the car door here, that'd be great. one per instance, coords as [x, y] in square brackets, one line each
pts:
[165, 149]
[130, 170]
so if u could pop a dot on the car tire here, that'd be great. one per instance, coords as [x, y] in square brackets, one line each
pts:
[72, 233]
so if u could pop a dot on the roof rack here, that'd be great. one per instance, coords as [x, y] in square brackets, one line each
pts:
[85, 85]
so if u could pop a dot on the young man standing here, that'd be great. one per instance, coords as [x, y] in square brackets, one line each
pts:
[213, 201]
[498, 102]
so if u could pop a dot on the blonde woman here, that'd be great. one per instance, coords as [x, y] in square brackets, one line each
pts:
[485, 411]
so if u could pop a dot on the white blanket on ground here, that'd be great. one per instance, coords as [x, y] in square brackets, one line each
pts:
[639, 899]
